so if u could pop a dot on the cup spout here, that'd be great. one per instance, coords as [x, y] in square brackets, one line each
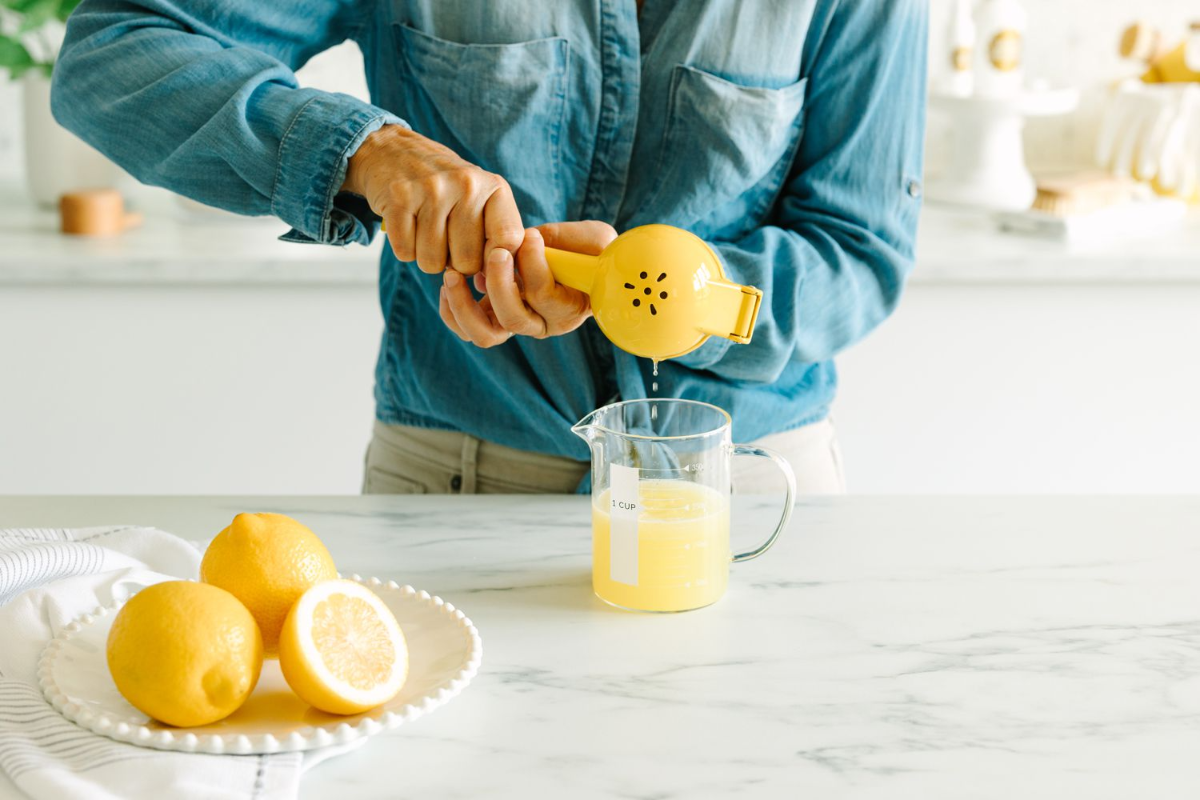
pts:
[586, 428]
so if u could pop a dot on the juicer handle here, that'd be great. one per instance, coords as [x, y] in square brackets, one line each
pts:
[789, 476]
[732, 311]
[572, 269]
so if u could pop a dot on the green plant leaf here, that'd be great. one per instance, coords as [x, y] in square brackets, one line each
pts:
[65, 7]
[21, 6]
[37, 15]
[14, 57]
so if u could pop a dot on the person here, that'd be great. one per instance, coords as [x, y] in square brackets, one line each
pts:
[786, 134]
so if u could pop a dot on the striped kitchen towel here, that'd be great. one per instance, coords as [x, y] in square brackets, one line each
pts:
[47, 578]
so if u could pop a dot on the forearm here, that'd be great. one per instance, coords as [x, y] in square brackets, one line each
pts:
[179, 103]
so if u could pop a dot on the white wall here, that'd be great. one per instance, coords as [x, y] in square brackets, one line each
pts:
[186, 389]
[10, 123]
[1030, 389]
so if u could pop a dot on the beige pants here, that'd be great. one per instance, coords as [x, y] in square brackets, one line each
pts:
[407, 460]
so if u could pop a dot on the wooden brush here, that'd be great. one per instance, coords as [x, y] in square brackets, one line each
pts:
[1081, 194]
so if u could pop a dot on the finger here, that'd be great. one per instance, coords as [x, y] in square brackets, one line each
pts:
[480, 281]
[485, 304]
[401, 233]
[562, 308]
[448, 315]
[464, 232]
[509, 307]
[432, 254]
[502, 221]
[473, 319]
[535, 272]
[588, 237]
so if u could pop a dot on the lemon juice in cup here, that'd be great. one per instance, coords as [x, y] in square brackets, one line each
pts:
[660, 503]
[682, 548]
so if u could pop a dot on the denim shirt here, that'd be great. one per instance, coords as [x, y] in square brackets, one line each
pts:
[787, 133]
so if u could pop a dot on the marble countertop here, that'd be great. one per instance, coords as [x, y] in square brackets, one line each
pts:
[181, 246]
[914, 647]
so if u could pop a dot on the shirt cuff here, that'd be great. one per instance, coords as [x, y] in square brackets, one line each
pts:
[313, 158]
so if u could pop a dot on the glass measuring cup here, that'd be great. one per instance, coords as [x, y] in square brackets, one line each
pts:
[660, 502]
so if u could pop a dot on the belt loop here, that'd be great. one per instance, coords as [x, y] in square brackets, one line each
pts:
[470, 460]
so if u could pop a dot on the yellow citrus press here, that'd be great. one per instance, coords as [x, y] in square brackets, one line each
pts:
[659, 292]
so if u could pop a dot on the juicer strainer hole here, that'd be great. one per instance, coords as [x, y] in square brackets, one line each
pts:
[648, 292]
[660, 277]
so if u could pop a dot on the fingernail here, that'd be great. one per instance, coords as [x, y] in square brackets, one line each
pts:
[498, 256]
[452, 277]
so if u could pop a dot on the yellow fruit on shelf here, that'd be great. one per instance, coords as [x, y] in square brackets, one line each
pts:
[341, 649]
[184, 653]
[267, 561]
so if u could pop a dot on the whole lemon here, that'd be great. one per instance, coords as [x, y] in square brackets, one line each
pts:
[267, 561]
[185, 653]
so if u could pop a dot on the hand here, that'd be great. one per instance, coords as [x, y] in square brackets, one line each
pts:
[438, 209]
[522, 296]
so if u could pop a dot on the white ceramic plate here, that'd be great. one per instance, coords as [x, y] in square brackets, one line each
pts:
[444, 654]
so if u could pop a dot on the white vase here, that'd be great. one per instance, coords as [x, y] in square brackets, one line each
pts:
[57, 161]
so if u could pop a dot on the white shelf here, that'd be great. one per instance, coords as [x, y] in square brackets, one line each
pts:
[966, 247]
[174, 246]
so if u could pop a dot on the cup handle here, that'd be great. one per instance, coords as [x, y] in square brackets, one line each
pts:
[789, 476]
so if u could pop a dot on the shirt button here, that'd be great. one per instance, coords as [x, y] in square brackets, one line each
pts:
[456, 483]
[914, 188]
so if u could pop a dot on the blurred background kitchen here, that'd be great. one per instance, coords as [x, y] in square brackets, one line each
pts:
[1049, 350]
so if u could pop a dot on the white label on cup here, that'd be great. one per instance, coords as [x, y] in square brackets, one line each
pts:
[623, 524]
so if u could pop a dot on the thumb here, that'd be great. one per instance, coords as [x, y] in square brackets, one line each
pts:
[588, 237]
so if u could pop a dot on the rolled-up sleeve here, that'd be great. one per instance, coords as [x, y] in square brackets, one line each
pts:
[201, 97]
[833, 262]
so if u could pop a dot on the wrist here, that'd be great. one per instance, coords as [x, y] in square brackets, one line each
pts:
[359, 165]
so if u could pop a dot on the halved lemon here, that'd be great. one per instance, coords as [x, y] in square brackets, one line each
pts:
[341, 649]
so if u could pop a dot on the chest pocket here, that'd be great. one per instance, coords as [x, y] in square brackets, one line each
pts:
[499, 106]
[726, 150]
